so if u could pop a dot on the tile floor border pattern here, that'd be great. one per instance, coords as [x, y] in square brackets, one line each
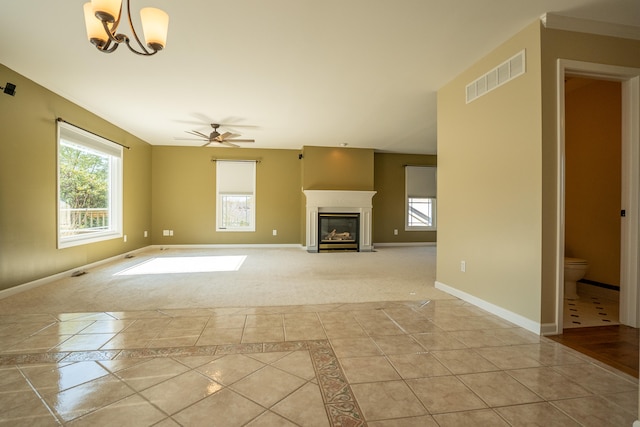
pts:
[345, 399]
[339, 400]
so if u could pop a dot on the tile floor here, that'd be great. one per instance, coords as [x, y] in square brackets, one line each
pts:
[430, 363]
[593, 308]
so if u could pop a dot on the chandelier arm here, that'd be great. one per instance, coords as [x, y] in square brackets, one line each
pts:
[106, 49]
[135, 35]
[145, 53]
[115, 39]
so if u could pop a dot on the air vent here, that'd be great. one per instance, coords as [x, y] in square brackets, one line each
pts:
[508, 70]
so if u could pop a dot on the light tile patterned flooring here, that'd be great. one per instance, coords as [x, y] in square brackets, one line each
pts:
[595, 307]
[437, 363]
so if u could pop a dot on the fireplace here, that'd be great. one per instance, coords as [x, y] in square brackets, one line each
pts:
[352, 206]
[338, 231]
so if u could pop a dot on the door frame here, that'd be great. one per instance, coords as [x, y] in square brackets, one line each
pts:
[630, 238]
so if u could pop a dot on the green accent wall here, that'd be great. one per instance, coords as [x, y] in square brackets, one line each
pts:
[28, 185]
[333, 168]
[164, 188]
[389, 201]
[184, 193]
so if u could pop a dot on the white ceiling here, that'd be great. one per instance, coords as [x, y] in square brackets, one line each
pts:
[295, 72]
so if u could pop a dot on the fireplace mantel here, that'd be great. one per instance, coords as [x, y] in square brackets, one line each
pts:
[339, 201]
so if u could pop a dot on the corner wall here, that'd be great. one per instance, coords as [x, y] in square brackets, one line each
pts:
[490, 183]
[28, 185]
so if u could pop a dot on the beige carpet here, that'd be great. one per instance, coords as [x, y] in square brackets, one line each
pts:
[266, 277]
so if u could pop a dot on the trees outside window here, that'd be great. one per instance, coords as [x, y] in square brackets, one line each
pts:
[89, 187]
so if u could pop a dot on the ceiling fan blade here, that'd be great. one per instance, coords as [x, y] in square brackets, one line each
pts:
[224, 136]
[196, 133]
[205, 144]
[191, 139]
[241, 140]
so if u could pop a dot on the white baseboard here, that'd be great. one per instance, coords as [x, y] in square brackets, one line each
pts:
[43, 281]
[510, 316]
[231, 246]
[405, 244]
[548, 329]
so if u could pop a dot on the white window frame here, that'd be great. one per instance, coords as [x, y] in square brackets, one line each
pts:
[240, 182]
[427, 191]
[68, 134]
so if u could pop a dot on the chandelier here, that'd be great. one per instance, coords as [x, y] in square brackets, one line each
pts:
[102, 18]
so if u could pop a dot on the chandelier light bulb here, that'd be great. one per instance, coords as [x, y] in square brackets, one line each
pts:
[155, 23]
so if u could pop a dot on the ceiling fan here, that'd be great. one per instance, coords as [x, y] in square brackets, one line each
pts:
[229, 139]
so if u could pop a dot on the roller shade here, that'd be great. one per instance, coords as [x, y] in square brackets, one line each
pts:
[421, 181]
[234, 177]
[87, 141]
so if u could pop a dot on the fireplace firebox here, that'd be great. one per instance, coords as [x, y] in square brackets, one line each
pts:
[338, 231]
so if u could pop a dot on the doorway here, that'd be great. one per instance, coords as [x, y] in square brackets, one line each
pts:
[593, 174]
[629, 79]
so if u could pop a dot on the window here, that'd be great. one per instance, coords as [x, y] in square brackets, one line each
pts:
[420, 187]
[89, 187]
[235, 195]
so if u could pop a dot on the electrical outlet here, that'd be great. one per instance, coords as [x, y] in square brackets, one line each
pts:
[395, 231]
[275, 232]
[146, 234]
[170, 232]
[125, 238]
[165, 232]
[463, 266]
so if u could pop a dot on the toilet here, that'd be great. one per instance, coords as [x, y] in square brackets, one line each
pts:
[574, 270]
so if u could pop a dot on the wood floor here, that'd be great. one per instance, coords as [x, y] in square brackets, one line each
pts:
[616, 345]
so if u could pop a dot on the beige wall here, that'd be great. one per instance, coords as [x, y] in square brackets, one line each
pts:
[389, 201]
[593, 118]
[497, 172]
[333, 168]
[580, 47]
[28, 185]
[184, 192]
[489, 183]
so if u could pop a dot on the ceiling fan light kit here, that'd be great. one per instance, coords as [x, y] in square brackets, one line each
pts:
[102, 18]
